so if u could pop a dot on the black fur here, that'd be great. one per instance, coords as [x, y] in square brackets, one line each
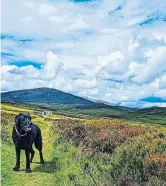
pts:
[24, 134]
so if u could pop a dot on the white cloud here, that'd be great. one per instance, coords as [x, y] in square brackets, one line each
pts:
[47, 9]
[6, 68]
[77, 25]
[162, 82]
[154, 66]
[90, 92]
[113, 51]
[85, 84]
[52, 66]
[107, 59]
[27, 19]
[146, 105]
[57, 19]
[161, 93]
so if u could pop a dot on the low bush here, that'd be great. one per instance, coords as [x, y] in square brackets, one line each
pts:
[97, 135]
[155, 165]
[134, 159]
[120, 153]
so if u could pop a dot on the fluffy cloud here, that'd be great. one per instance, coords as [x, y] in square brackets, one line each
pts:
[86, 84]
[35, 77]
[162, 82]
[154, 67]
[112, 51]
[52, 66]
[47, 9]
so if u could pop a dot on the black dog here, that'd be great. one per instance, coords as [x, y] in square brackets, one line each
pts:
[24, 134]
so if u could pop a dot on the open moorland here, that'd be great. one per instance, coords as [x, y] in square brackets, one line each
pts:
[85, 149]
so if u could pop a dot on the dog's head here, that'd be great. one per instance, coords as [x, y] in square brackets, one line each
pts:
[23, 121]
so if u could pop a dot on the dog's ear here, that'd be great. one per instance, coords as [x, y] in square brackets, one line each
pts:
[16, 120]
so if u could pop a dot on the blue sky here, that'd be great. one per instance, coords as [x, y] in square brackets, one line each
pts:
[111, 50]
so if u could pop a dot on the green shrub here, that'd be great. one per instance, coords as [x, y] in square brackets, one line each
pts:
[129, 159]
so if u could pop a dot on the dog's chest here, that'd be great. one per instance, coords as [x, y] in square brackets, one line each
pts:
[22, 141]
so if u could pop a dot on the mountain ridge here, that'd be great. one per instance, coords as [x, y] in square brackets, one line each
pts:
[43, 95]
[69, 105]
[55, 96]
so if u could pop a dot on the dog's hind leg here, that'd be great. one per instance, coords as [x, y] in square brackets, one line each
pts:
[38, 145]
[41, 157]
[32, 154]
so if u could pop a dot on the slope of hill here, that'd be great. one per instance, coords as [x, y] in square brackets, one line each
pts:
[154, 110]
[69, 105]
[43, 95]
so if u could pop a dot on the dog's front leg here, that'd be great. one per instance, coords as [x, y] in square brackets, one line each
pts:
[27, 153]
[17, 167]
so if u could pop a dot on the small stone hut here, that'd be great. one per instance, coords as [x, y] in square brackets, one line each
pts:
[47, 112]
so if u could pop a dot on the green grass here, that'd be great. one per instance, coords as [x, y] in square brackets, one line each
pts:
[151, 115]
[72, 159]
[56, 158]
[40, 172]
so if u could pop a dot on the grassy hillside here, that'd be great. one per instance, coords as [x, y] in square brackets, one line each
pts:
[87, 152]
[43, 95]
[73, 106]
[151, 115]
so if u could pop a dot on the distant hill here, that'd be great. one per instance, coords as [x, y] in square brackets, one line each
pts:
[70, 105]
[50, 97]
[100, 105]
[154, 110]
[43, 95]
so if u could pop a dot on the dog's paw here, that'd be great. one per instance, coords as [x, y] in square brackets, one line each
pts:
[28, 170]
[42, 162]
[17, 169]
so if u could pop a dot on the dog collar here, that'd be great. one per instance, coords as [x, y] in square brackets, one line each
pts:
[18, 132]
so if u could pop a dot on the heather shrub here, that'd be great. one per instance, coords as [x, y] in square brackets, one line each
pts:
[155, 165]
[98, 135]
[155, 181]
[133, 158]
[115, 152]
